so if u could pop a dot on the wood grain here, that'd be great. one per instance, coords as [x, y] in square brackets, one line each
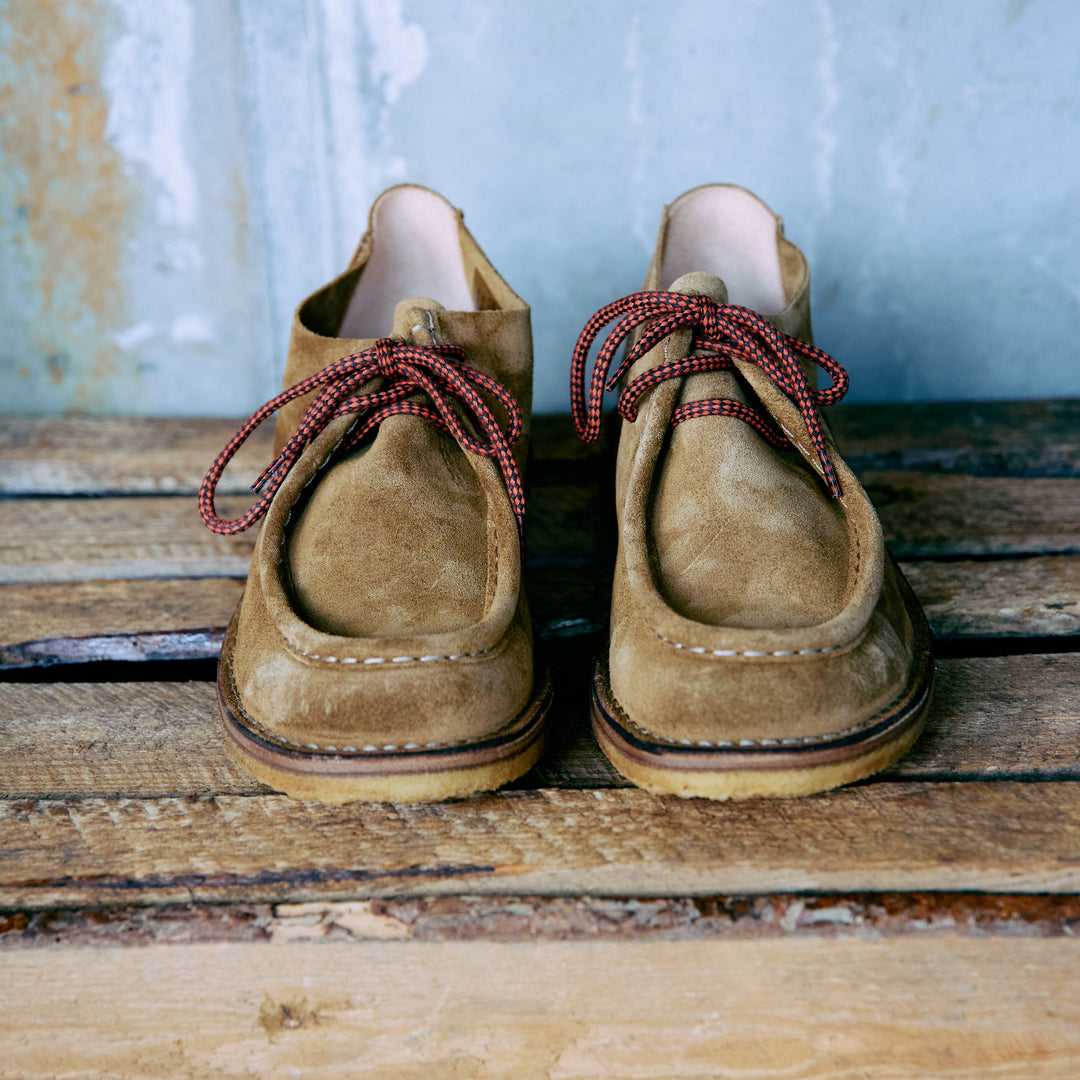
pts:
[93, 455]
[115, 455]
[1036, 597]
[47, 540]
[83, 455]
[184, 618]
[903, 836]
[999, 438]
[932, 515]
[991, 718]
[85, 621]
[808, 1009]
[923, 515]
[554, 918]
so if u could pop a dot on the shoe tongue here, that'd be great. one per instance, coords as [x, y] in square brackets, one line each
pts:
[771, 400]
[414, 320]
[698, 283]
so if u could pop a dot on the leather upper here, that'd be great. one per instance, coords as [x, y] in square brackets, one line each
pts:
[384, 605]
[749, 607]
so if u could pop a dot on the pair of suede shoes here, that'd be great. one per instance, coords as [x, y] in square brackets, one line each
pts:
[761, 640]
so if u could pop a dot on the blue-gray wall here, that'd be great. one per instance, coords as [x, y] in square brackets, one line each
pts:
[176, 174]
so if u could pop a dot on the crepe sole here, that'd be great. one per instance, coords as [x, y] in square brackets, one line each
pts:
[406, 775]
[780, 771]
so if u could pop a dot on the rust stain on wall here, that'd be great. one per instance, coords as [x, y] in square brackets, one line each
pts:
[71, 190]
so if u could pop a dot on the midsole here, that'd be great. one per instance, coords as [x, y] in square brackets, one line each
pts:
[512, 741]
[887, 727]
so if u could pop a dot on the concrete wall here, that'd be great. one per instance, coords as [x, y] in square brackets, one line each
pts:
[176, 174]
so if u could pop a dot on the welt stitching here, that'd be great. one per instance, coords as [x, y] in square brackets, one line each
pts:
[803, 740]
[369, 748]
[727, 654]
[370, 660]
[755, 654]
[431, 658]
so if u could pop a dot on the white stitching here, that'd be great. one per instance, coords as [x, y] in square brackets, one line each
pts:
[352, 659]
[756, 653]
[386, 659]
[729, 744]
[273, 736]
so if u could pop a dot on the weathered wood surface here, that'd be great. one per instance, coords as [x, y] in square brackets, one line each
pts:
[185, 618]
[809, 1009]
[937, 515]
[47, 540]
[994, 438]
[1012, 717]
[923, 515]
[143, 619]
[94, 455]
[1002, 598]
[554, 918]
[819, 938]
[80, 455]
[899, 836]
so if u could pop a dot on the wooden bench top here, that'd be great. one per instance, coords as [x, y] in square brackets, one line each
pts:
[123, 821]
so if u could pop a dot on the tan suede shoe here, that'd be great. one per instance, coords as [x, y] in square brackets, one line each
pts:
[383, 648]
[762, 642]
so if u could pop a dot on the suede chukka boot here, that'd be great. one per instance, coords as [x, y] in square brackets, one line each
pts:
[383, 649]
[762, 642]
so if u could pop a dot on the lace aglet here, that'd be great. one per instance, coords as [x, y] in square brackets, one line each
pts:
[831, 478]
[256, 488]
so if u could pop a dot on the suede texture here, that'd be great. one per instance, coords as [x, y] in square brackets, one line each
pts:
[384, 605]
[748, 607]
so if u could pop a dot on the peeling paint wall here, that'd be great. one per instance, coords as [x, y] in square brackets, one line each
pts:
[131, 279]
[175, 175]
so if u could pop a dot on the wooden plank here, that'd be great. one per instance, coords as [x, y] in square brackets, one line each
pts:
[85, 621]
[79, 539]
[924, 516]
[991, 718]
[555, 918]
[184, 618]
[990, 837]
[1000, 438]
[1004, 717]
[930, 515]
[94, 455]
[1036, 597]
[810, 1009]
[83, 455]
[121, 739]
[49, 540]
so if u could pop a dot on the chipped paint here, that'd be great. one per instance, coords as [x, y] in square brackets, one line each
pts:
[176, 175]
[123, 205]
[145, 79]
[70, 190]
[373, 54]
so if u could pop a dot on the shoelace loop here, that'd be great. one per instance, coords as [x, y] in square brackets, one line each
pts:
[723, 333]
[437, 371]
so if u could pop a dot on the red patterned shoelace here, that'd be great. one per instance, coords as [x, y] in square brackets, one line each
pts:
[437, 371]
[723, 333]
